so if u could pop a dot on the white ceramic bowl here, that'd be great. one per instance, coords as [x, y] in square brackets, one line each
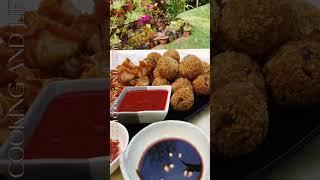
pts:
[140, 116]
[118, 132]
[129, 160]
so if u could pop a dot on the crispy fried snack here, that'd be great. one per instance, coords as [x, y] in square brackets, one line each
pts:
[60, 10]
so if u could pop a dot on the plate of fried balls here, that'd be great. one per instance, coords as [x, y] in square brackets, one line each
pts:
[187, 71]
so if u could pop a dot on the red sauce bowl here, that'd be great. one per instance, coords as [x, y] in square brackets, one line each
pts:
[141, 104]
[120, 134]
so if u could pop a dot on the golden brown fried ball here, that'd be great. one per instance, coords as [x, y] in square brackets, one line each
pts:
[236, 67]
[239, 119]
[144, 81]
[156, 73]
[182, 99]
[293, 74]
[205, 68]
[190, 67]
[181, 83]
[154, 56]
[307, 18]
[173, 54]
[255, 26]
[201, 84]
[167, 67]
[158, 81]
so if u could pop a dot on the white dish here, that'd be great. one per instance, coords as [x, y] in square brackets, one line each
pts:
[120, 133]
[140, 116]
[95, 167]
[129, 160]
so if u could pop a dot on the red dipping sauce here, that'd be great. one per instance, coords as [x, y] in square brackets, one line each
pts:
[114, 149]
[144, 100]
[73, 126]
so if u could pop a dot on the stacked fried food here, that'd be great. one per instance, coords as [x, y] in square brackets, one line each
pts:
[269, 46]
[57, 42]
[188, 76]
[239, 113]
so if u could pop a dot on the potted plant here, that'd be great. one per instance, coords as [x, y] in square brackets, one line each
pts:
[162, 37]
[163, 40]
[187, 30]
[155, 41]
[180, 24]
[171, 37]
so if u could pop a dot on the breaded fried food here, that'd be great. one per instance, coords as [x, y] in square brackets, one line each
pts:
[167, 67]
[156, 73]
[307, 18]
[60, 10]
[90, 34]
[293, 74]
[150, 61]
[158, 81]
[154, 56]
[173, 54]
[48, 50]
[255, 26]
[239, 119]
[201, 84]
[232, 66]
[181, 83]
[5, 53]
[182, 99]
[205, 68]
[96, 66]
[190, 67]
[144, 81]
[6, 76]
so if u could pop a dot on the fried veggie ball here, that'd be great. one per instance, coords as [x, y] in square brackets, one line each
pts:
[154, 56]
[181, 83]
[155, 72]
[293, 74]
[205, 68]
[239, 119]
[173, 54]
[167, 67]
[255, 26]
[236, 67]
[190, 67]
[307, 18]
[182, 99]
[142, 81]
[158, 81]
[201, 84]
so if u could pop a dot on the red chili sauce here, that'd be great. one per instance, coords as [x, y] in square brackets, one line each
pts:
[114, 149]
[73, 126]
[144, 100]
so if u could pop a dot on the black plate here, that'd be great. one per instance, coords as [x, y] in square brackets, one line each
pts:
[290, 129]
[200, 102]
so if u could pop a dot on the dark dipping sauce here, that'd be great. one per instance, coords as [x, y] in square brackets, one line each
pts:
[170, 159]
[74, 125]
[144, 100]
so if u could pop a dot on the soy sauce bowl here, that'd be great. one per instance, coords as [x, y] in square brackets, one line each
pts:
[120, 133]
[159, 131]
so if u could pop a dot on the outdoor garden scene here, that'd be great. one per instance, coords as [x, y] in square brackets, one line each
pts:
[160, 24]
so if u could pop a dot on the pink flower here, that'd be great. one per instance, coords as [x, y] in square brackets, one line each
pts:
[144, 19]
